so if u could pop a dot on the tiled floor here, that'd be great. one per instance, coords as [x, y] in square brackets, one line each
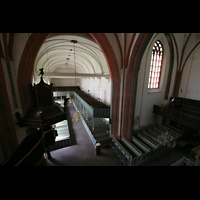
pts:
[82, 151]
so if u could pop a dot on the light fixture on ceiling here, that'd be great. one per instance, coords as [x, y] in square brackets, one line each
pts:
[74, 42]
[76, 116]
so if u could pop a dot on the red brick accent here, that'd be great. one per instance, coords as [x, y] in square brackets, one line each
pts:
[36, 40]
[120, 48]
[170, 67]
[132, 80]
[26, 65]
[118, 109]
[129, 49]
[34, 43]
[116, 112]
[109, 54]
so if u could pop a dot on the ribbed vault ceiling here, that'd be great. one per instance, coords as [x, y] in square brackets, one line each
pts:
[57, 55]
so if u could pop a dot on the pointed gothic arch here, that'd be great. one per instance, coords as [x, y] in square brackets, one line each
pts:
[132, 79]
[26, 70]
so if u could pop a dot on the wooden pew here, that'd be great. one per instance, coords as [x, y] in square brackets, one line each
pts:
[161, 130]
[118, 152]
[95, 108]
[101, 135]
[153, 131]
[99, 125]
[151, 136]
[122, 150]
[133, 148]
[141, 144]
[96, 122]
[147, 140]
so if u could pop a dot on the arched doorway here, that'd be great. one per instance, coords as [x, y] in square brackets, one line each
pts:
[26, 69]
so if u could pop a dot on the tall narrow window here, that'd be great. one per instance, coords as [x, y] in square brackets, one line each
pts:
[156, 65]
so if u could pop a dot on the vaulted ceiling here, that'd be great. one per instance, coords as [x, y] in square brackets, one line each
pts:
[59, 60]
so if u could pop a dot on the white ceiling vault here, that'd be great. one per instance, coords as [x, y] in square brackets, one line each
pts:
[56, 57]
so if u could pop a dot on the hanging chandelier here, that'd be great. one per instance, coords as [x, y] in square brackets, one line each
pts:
[74, 42]
[166, 139]
[76, 117]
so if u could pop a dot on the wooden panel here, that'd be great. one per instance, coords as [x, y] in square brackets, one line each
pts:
[184, 118]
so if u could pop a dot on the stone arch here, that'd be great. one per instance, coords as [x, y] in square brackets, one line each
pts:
[26, 69]
[131, 84]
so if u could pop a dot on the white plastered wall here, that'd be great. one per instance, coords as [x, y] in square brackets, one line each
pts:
[98, 88]
[146, 98]
[189, 87]
[65, 82]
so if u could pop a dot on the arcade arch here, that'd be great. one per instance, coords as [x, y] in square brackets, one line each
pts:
[28, 61]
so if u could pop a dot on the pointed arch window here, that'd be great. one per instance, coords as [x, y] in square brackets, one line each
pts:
[156, 65]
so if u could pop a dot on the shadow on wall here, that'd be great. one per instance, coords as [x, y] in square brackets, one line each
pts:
[105, 96]
[94, 93]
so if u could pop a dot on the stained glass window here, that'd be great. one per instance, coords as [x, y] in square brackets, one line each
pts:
[156, 65]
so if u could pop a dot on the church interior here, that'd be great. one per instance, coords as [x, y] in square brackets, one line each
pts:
[99, 99]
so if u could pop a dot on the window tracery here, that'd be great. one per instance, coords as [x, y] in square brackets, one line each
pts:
[156, 65]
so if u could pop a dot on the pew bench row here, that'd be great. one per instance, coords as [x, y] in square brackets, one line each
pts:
[95, 108]
[132, 153]
[119, 153]
[143, 145]
[98, 135]
[121, 150]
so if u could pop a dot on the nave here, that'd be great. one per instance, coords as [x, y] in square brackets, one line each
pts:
[82, 151]
[143, 146]
[145, 78]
